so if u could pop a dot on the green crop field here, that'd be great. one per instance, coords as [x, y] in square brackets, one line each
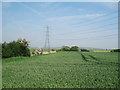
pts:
[62, 70]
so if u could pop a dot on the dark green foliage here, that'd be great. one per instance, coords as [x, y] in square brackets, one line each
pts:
[14, 49]
[115, 50]
[84, 50]
[65, 48]
[53, 49]
[58, 50]
[0, 50]
[74, 48]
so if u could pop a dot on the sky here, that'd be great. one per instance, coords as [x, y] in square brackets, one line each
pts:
[84, 24]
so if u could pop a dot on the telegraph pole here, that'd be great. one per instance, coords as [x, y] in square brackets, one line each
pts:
[47, 40]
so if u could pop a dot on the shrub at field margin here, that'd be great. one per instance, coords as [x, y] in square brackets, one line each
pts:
[74, 48]
[115, 50]
[14, 49]
[65, 48]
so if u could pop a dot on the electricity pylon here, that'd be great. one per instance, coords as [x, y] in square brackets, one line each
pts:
[47, 40]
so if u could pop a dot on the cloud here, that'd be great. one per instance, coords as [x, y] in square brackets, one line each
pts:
[74, 17]
[32, 9]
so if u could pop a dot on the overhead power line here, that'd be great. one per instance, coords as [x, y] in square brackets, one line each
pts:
[93, 21]
[96, 18]
[94, 29]
[96, 37]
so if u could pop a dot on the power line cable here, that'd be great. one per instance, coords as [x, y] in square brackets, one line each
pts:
[99, 27]
[106, 19]
[96, 31]
[98, 18]
[96, 37]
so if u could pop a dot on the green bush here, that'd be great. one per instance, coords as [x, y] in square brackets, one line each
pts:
[115, 50]
[58, 50]
[14, 49]
[53, 49]
[84, 50]
[65, 48]
[74, 48]
[91, 50]
[0, 50]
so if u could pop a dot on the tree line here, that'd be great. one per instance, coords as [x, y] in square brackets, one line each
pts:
[67, 48]
[21, 48]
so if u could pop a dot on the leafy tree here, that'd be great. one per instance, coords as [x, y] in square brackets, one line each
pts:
[74, 48]
[24, 41]
[14, 49]
[115, 50]
[0, 50]
[65, 48]
[84, 50]
[53, 49]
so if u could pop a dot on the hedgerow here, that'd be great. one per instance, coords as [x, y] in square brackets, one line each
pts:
[14, 49]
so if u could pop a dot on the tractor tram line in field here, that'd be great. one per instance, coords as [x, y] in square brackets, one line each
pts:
[98, 61]
[88, 58]
[84, 58]
[91, 59]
